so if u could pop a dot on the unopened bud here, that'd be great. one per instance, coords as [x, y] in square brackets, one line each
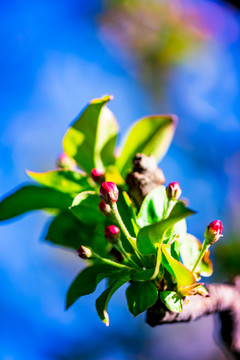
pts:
[112, 233]
[109, 192]
[65, 162]
[98, 175]
[84, 252]
[213, 232]
[104, 208]
[174, 191]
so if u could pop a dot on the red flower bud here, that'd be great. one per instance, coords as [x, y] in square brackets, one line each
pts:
[174, 191]
[104, 208]
[98, 175]
[213, 231]
[109, 192]
[112, 233]
[84, 252]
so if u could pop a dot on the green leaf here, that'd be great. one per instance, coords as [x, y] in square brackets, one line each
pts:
[66, 181]
[103, 300]
[171, 300]
[66, 230]
[31, 197]
[90, 141]
[142, 275]
[183, 276]
[86, 281]
[152, 235]
[85, 208]
[190, 248]
[153, 207]
[151, 136]
[140, 296]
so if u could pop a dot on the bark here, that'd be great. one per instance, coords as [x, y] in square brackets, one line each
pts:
[145, 177]
[224, 299]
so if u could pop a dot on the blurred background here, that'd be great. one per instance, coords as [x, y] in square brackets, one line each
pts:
[154, 56]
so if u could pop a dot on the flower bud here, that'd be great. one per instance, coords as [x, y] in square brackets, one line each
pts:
[174, 191]
[84, 252]
[112, 233]
[109, 192]
[104, 208]
[213, 232]
[65, 162]
[98, 175]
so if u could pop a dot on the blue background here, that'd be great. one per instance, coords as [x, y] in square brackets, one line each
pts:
[53, 61]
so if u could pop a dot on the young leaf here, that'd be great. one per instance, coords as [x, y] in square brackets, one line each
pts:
[151, 136]
[150, 236]
[103, 300]
[140, 296]
[183, 276]
[86, 281]
[171, 300]
[153, 207]
[190, 248]
[66, 181]
[91, 139]
[85, 208]
[31, 197]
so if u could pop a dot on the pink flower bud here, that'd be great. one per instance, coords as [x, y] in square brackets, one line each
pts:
[65, 162]
[84, 252]
[213, 231]
[98, 175]
[109, 192]
[174, 191]
[104, 208]
[112, 233]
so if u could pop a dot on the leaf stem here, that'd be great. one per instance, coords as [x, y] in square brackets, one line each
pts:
[109, 262]
[158, 262]
[200, 256]
[171, 204]
[120, 248]
[131, 240]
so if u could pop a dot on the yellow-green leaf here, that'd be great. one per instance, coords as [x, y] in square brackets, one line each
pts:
[90, 141]
[66, 181]
[183, 276]
[151, 135]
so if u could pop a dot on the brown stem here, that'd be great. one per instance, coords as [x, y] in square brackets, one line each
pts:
[224, 299]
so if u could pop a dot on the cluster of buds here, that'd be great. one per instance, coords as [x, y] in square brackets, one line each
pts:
[174, 191]
[213, 232]
[109, 195]
[98, 175]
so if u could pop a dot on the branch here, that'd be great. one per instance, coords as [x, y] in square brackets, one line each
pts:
[145, 177]
[224, 298]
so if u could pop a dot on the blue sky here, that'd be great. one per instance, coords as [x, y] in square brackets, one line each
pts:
[54, 61]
